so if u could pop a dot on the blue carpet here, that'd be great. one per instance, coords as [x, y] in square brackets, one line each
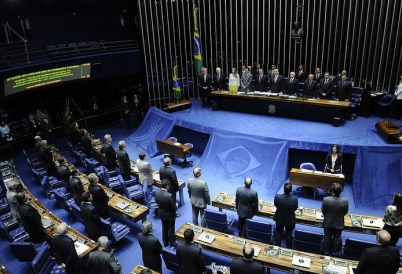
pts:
[238, 145]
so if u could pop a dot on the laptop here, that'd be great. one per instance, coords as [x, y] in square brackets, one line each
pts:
[122, 205]
[373, 223]
[301, 261]
[204, 237]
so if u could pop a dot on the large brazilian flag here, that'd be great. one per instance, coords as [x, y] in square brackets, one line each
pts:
[176, 85]
[197, 45]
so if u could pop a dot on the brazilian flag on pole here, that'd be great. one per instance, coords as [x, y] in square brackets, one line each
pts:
[197, 45]
[176, 85]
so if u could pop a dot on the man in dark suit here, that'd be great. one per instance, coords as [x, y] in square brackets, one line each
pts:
[99, 198]
[33, 126]
[246, 205]
[110, 153]
[292, 84]
[64, 250]
[189, 256]
[125, 111]
[276, 82]
[47, 128]
[326, 87]
[204, 84]
[334, 208]
[219, 79]
[310, 87]
[343, 89]
[167, 172]
[246, 80]
[76, 186]
[124, 161]
[381, 258]
[30, 218]
[318, 75]
[167, 213]
[85, 142]
[38, 144]
[46, 157]
[64, 173]
[285, 215]
[90, 216]
[199, 196]
[151, 248]
[261, 81]
[101, 261]
[135, 110]
[301, 74]
[256, 70]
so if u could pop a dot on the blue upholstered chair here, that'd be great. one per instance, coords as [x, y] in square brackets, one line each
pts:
[169, 257]
[93, 166]
[187, 154]
[217, 220]
[79, 156]
[132, 190]
[7, 223]
[307, 241]
[26, 251]
[114, 230]
[353, 248]
[44, 264]
[49, 184]
[173, 139]
[385, 104]
[18, 235]
[63, 198]
[259, 231]
[111, 178]
[4, 205]
[39, 174]
[76, 210]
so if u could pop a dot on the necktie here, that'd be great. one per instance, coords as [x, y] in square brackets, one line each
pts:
[291, 80]
[218, 76]
[343, 83]
[276, 78]
[310, 83]
[205, 78]
[260, 77]
[317, 76]
[326, 81]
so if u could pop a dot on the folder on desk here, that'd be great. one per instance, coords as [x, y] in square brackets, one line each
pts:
[373, 223]
[271, 252]
[122, 205]
[46, 222]
[220, 199]
[319, 216]
[204, 237]
[301, 261]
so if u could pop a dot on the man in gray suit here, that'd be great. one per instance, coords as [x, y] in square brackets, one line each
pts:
[246, 79]
[199, 196]
[145, 170]
[246, 205]
[334, 208]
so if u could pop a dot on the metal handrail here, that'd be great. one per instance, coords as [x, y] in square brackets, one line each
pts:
[7, 26]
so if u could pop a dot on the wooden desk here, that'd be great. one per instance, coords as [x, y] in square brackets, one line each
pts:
[225, 245]
[87, 245]
[172, 148]
[139, 212]
[321, 110]
[3, 269]
[308, 215]
[138, 268]
[315, 179]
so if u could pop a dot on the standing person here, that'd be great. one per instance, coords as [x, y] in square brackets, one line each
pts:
[393, 219]
[47, 128]
[38, 144]
[125, 111]
[110, 153]
[398, 95]
[146, 172]
[301, 74]
[334, 160]
[219, 79]
[199, 196]
[271, 71]
[90, 216]
[33, 126]
[151, 247]
[292, 84]
[334, 208]
[85, 142]
[381, 258]
[343, 89]
[99, 198]
[261, 81]
[167, 213]
[285, 216]
[276, 82]
[189, 256]
[326, 87]
[318, 75]
[234, 81]
[124, 161]
[12, 190]
[30, 218]
[245, 81]
[64, 250]
[167, 172]
[204, 84]
[68, 122]
[101, 261]
[76, 186]
[310, 87]
[64, 173]
[246, 205]
[46, 157]
[75, 135]
[135, 109]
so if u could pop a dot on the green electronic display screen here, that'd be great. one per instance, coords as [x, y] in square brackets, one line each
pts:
[46, 77]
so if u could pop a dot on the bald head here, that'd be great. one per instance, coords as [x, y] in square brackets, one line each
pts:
[62, 228]
[383, 237]
[248, 181]
[197, 172]
[248, 251]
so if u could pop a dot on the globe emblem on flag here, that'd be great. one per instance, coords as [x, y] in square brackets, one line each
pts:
[197, 50]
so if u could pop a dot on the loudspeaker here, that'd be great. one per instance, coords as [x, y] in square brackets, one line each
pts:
[337, 121]
[215, 106]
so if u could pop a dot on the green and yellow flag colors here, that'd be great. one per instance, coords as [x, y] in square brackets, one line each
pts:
[197, 45]
[176, 84]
